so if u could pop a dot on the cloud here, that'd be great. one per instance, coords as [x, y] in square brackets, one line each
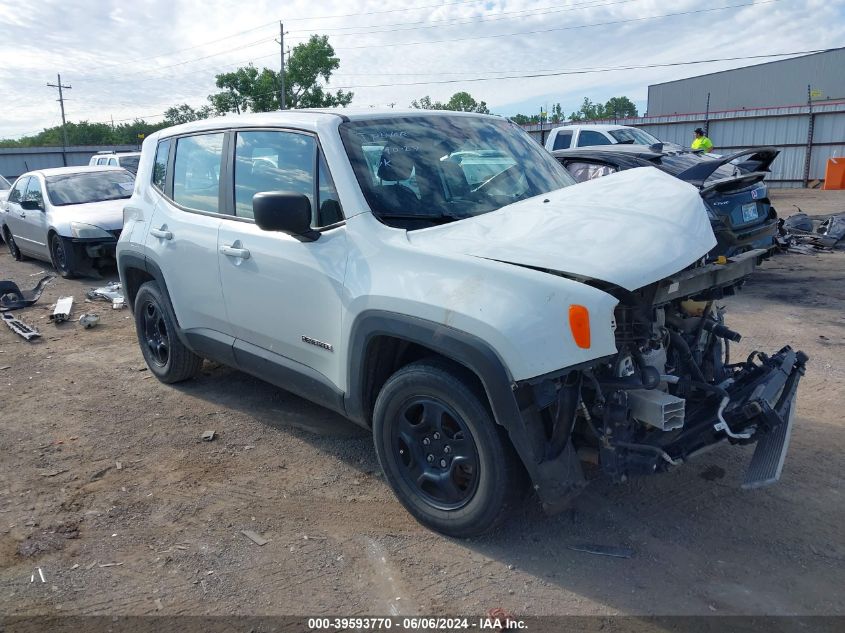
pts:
[137, 59]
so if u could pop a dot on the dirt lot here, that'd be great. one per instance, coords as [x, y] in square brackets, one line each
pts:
[161, 534]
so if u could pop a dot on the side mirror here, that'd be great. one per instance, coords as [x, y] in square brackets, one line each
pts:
[285, 212]
[31, 205]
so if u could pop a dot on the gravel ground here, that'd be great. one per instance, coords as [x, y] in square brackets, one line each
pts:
[106, 486]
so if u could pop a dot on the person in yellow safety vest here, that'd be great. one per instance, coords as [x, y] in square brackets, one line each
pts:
[701, 142]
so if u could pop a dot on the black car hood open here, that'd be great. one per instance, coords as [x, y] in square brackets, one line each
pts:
[758, 162]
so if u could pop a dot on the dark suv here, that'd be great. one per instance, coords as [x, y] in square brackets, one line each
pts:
[732, 186]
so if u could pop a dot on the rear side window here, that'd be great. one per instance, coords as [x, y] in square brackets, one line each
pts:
[563, 140]
[196, 171]
[273, 161]
[113, 161]
[160, 164]
[590, 137]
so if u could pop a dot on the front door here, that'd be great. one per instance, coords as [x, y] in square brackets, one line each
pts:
[32, 231]
[283, 295]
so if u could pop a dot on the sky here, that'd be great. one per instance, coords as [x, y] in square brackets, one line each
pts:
[135, 59]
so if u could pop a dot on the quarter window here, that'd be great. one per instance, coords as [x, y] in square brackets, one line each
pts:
[329, 211]
[273, 161]
[16, 194]
[196, 171]
[160, 164]
[113, 161]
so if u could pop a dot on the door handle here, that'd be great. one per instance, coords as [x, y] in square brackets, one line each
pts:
[165, 235]
[231, 251]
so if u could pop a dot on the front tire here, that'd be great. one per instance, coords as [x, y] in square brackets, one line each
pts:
[13, 246]
[63, 256]
[155, 324]
[448, 462]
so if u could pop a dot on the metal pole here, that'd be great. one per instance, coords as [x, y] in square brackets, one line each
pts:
[282, 71]
[64, 123]
[811, 124]
[707, 117]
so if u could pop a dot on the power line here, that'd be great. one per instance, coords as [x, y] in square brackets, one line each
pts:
[126, 77]
[505, 15]
[564, 28]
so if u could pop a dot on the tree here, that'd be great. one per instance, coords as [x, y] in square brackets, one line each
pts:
[458, 102]
[185, 114]
[248, 89]
[619, 108]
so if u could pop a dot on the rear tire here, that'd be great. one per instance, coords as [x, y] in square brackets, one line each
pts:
[155, 324]
[448, 462]
[13, 246]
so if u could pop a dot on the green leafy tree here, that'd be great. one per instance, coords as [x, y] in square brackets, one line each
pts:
[619, 108]
[248, 89]
[458, 102]
[185, 114]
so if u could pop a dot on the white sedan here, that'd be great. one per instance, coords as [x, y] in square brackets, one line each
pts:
[68, 216]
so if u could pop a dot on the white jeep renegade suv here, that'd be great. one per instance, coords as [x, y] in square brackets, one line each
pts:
[436, 278]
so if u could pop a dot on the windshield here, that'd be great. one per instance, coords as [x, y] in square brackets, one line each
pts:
[129, 163]
[94, 186]
[417, 171]
[5, 184]
[633, 137]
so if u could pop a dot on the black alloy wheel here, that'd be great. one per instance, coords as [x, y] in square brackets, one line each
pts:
[436, 453]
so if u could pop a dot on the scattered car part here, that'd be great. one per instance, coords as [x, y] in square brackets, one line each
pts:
[13, 298]
[255, 537]
[209, 435]
[833, 227]
[61, 312]
[111, 292]
[118, 303]
[19, 327]
[89, 320]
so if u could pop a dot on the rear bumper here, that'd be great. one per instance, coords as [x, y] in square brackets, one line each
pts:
[731, 241]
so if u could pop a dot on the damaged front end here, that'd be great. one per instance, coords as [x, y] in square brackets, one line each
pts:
[671, 390]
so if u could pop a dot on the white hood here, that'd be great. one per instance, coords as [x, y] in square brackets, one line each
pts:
[630, 229]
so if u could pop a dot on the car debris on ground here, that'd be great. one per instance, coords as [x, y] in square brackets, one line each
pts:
[89, 320]
[61, 312]
[19, 327]
[255, 537]
[802, 233]
[208, 436]
[111, 292]
[13, 298]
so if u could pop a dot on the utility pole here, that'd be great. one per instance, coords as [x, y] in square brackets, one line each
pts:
[281, 42]
[64, 127]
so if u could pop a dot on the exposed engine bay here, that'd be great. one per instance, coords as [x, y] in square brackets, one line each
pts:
[672, 390]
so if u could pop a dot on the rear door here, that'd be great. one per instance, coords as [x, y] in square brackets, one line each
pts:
[182, 239]
[13, 211]
[282, 294]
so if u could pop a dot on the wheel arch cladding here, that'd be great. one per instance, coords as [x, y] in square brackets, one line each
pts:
[468, 351]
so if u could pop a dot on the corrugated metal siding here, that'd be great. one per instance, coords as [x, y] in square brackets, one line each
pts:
[779, 82]
[18, 160]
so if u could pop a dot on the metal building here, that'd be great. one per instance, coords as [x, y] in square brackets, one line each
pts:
[14, 161]
[779, 83]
